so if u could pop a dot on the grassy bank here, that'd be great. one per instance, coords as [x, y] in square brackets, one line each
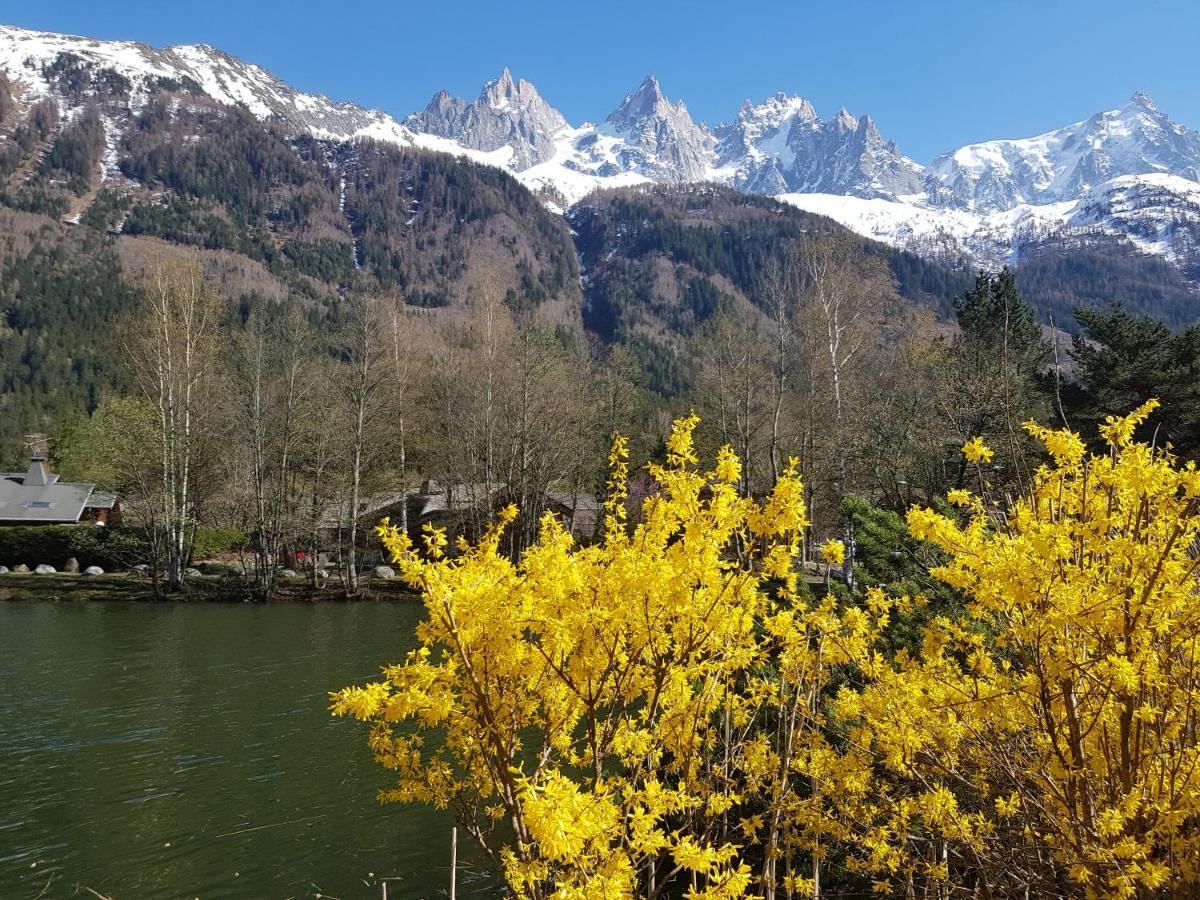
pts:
[63, 587]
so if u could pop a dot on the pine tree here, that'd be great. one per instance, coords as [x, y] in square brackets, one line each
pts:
[994, 372]
[1122, 360]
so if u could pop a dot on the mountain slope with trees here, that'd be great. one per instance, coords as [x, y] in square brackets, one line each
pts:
[275, 219]
[268, 218]
[660, 261]
[1127, 174]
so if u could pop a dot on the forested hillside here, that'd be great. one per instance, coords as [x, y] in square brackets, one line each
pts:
[425, 222]
[90, 205]
[98, 195]
[1058, 276]
[63, 300]
[660, 261]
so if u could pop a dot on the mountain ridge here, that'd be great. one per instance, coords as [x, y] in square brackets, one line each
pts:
[1129, 173]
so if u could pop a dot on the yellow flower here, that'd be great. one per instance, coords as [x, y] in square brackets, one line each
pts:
[833, 552]
[620, 704]
[518, 655]
[729, 467]
[959, 497]
[976, 451]
[1118, 430]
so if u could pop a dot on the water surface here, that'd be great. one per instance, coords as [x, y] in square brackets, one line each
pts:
[184, 750]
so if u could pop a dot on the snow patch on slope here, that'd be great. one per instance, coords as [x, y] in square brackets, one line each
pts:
[1159, 214]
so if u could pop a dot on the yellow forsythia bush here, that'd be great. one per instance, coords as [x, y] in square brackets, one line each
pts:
[663, 712]
[1064, 707]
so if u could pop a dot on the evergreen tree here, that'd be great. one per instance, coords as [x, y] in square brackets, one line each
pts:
[998, 323]
[1122, 360]
[994, 372]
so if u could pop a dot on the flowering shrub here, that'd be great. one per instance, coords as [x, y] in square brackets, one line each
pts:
[662, 709]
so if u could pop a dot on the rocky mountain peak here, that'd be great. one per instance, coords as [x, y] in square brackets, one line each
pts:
[778, 107]
[660, 139]
[765, 123]
[504, 82]
[867, 126]
[509, 95]
[644, 103]
[508, 114]
[844, 120]
[780, 145]
[1143, 100]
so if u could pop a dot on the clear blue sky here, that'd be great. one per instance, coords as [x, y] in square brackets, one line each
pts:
[933, 73]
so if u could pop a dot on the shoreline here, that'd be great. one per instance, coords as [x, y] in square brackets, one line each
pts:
[71, 588]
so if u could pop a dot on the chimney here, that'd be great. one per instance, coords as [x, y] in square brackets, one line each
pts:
[37, 476]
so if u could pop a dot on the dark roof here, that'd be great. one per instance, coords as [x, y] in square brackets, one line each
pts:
[578, 502]
[101, 500]
[38, 497]
[338, 512]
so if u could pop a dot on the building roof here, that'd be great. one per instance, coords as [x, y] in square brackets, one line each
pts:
[38, 497]
[101, 500]
[338, 512]
[463, 496]
[578, 502]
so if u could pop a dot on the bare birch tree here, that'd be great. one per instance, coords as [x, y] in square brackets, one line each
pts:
[273, 370]
[735, 391]
[404, 354]
[364, 351]
[842, 289]
[779, 289]
[174, 360]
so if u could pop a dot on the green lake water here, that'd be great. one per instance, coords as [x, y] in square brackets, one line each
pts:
[185, 750]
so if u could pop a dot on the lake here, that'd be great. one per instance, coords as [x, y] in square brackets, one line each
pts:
[185, 750]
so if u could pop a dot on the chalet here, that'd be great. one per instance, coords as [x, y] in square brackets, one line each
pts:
[580, 513]
[450, 505]
[37, 497]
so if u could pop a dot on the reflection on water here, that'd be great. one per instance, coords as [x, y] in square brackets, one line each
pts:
[177, 750]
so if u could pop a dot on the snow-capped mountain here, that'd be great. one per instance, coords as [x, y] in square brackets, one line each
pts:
[1158, 214]
[1136, 139]
[781, 145]
[1130, 172]
[41, 63]
[508, 114]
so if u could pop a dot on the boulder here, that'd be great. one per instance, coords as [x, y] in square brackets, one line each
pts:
[287, 573]
[141, 569]
[44, 569]
[3, 570]
[383, 572]
[190, 572]
[20, 569]
[322, 574]
[93, 570]
[71, 566]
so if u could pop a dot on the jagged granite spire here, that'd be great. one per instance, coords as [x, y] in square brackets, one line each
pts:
[507, 113]
[662, 141]
[780, 145]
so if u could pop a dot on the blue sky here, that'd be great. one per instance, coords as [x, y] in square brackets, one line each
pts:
[933, 73]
